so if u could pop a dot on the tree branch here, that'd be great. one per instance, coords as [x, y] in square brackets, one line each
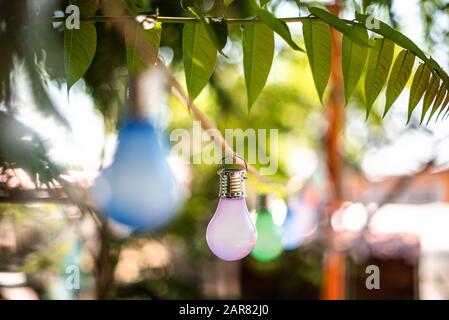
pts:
[175, 20]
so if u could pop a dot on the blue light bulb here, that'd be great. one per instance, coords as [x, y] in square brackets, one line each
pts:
[292, 230]
[138, 189]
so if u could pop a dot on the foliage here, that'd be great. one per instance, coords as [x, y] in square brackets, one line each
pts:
[147, 40]
[278, 26]
[202, 39]
[430, 94]
[353, 60]
[99, 54]
[258, 46]
[200, 55]
[79, 51]
[379, 63]
[419, 86]
[400, 73]
[318, 40]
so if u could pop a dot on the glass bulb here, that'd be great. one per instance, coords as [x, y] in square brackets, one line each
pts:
[138, 189]
[269, 240]
[231, 234]
[292, 230]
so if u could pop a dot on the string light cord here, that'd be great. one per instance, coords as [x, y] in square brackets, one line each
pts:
[181, 20]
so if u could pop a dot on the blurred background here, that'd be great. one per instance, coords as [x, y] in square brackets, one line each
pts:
[348, 193]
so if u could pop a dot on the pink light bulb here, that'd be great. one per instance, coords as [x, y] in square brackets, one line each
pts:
[231, 234]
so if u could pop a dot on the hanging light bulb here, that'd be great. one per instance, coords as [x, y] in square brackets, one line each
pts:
[302, 218]
[231, 234]
[292, 230]
[138, 189]
[269, 240]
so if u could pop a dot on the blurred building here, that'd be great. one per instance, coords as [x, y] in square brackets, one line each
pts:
[406, 235]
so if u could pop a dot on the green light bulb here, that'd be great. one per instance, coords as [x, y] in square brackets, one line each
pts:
[269, 238]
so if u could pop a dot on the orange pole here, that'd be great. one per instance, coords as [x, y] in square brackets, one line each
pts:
[334, 264]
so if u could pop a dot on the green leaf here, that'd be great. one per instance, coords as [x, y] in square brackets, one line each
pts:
[142, 46]
[87, 7]
[200, 56]
[438, 101]
[429, 96]
[227, 3]
[258, 52]
[443, 106]
[278, 26]
[433, 65]
[263, 2]
[403, 41]
[379, 63]
[400, 73]
[353, 60]
[445, 114]
[419, 86]
[318, 41]
[390, 33]
[79, 51]
[216, 29]
[340, 25]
